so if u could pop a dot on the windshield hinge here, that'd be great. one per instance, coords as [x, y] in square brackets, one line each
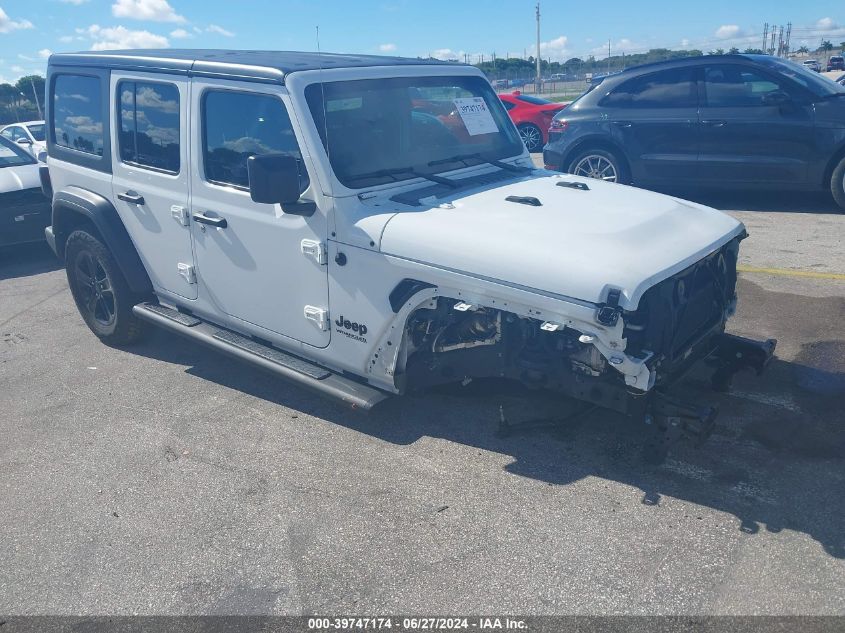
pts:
[316, 250]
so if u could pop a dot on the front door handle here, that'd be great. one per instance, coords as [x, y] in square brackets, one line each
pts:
[131, 197]
[715, 123]
[220, 223]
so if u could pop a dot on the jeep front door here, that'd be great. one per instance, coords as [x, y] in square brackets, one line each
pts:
[151, 173]
[255, 263]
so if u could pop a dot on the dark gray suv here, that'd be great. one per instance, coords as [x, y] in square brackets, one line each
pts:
[720, 120]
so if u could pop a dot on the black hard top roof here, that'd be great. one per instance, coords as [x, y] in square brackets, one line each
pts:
[260, 65]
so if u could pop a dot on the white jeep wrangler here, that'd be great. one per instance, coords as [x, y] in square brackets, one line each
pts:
[366, 225]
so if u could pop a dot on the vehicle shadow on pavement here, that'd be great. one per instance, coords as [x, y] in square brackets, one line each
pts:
[775, 460]
[788, 201]
[24, 260]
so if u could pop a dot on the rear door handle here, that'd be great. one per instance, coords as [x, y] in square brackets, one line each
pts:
[623, 124]
[131, 197]
[220, 223]
[715, 123]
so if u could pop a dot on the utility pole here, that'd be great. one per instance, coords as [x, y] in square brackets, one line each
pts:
[37, 102]
[608, 57]
[538, 85]
[765, 36]
[774, 34]
[780, 42]
[786, 47]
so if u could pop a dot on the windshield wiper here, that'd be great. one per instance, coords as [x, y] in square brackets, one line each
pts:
[391, 173]
[463, 158]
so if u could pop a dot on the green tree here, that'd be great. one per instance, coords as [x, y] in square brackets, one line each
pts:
[753, 51]
[718, 51]
[26, 84]
[826, 46]
[803, 50]
[733, 51]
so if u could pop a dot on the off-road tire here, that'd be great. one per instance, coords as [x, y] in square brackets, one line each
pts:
[527, 130]
[100, 291]
[622, 175]
[837, 184]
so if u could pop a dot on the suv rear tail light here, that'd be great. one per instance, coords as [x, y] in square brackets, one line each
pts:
[558, 125]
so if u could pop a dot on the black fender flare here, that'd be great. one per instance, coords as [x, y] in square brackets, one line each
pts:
[72, 202]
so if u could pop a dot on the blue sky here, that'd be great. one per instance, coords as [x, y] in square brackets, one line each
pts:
[31, 29]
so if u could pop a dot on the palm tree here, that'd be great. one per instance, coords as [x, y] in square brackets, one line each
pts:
[804, 50]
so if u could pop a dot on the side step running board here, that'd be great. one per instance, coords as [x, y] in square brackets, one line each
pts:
[297, 370]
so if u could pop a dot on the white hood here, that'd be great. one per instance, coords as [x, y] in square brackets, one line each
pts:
[575, 245]
[19, 178]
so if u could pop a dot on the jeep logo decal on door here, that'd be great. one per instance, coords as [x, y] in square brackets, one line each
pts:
[350, 329]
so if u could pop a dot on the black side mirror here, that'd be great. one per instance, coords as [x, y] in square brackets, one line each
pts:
[776, 98]
[274, 179]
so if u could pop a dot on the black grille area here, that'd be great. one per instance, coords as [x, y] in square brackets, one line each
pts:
[680, 313]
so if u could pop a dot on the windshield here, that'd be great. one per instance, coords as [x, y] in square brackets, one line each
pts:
[37, 131]
[409, 125]
[820, 86]
[13, 156]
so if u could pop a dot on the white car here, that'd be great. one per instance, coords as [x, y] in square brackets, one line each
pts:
[367, 226]
[29, 135]
[24, 211]
[812, 64]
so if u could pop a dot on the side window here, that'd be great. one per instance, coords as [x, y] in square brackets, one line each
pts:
[149, 125]
[674, 88]
[7, 133]
[77, 114]
[237, 125]
[736, 86]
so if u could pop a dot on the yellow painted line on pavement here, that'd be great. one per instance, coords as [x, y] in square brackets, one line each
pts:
[784, 272]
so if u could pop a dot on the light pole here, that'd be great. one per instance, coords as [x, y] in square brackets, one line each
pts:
[537, 83]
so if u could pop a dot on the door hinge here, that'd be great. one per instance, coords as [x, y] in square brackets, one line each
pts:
[181, 214]
[188, 272]
[318, 316]
[316, 250]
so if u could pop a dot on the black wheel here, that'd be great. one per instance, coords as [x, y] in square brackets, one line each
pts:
[100, 291]
[599, 164]
[837, 184]
[531, 136]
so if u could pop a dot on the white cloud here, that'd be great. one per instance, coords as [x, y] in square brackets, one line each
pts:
[7, 24]
[387, 48]
[685, 43]
[75, 2]
[447, 54]
[66, 39]
[16, 69]
[44, 53]
[213, 28]
[180, 34]
[119, 37]
[728, 31]
[150, 10]
[827, 24]
[555, 49]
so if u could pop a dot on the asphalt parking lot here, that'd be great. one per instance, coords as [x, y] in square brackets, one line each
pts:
[167, 479]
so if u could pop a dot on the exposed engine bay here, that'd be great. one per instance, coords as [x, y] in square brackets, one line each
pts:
[678, 322]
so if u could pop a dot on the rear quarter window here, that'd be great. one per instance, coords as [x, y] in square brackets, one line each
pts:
[77, 114]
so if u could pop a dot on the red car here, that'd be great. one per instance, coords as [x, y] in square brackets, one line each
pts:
[532, 116]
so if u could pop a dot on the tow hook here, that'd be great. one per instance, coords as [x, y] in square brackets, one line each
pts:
[734, 353]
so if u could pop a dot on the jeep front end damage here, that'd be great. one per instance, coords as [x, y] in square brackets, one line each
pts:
[626, 361]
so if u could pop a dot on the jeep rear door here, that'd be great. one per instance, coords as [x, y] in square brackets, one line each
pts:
[151, 174]
[255, 262]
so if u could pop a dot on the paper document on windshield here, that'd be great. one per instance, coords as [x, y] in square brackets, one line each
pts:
[476, 116]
